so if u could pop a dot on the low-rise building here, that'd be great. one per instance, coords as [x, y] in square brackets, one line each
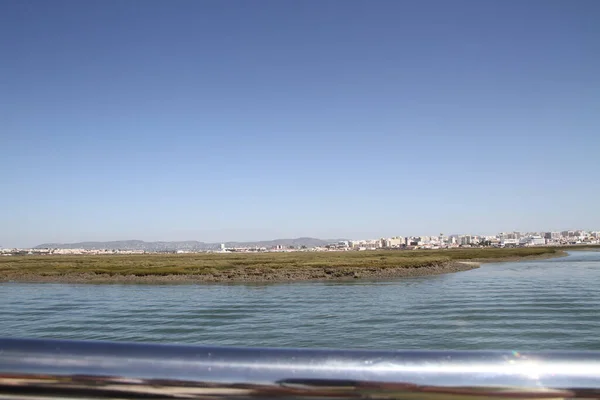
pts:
[394, 242]
[533, 241]
[509, 242]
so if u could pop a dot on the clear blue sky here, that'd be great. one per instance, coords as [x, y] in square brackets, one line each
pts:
[242, 120]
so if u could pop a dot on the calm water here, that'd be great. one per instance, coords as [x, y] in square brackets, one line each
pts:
[549, 304]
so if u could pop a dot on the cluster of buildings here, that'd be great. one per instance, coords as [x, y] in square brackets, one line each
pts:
[58, 251]
[502, 239]
[441, 241]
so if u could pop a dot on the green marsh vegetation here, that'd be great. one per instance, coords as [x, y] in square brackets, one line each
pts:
[13, 267]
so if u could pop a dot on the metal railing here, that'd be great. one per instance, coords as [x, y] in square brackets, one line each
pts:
[41, 369]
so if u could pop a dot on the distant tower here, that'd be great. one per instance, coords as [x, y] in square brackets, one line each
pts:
[222, 246]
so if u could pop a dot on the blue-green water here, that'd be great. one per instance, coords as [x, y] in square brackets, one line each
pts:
[534, 305]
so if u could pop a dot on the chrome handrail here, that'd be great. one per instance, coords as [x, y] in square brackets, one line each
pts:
[36, 369]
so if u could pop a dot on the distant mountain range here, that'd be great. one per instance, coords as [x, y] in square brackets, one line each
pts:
[185, 245]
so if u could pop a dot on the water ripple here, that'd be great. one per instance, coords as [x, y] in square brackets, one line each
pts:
[535, 305]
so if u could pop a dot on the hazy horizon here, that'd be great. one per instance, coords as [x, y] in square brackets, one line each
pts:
[266, 239]
[239, 121]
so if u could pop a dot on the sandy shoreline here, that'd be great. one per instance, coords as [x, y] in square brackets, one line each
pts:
[276, 275]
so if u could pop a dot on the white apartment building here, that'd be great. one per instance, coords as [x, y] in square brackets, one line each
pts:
[395, 242]
[533, 241]
[509, 242]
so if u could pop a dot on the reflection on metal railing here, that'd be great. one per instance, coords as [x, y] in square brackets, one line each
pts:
[42, 369]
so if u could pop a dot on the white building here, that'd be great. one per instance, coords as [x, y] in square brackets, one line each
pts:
[414, 241]
[509, 242]
[365, 244]
[394, 242]
[466, 240]
[533, 241]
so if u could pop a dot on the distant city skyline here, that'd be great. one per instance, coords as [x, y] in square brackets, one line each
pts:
[595, 232]
[244, 121]
[222, 238]
[399, 242]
